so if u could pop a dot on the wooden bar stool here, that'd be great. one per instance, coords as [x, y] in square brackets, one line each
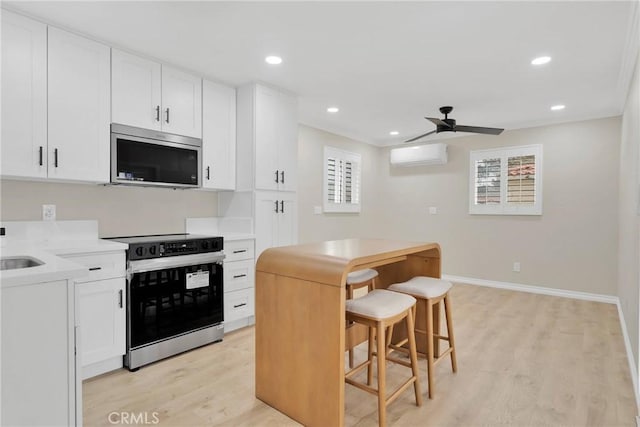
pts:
[356, 280]
[379, 310]
[430, 291]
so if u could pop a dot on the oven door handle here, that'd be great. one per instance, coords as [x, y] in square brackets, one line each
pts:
[154, 264]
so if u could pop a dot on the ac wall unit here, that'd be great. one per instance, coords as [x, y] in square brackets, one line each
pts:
[417, 155]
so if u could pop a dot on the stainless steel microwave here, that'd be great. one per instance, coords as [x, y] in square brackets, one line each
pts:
[152, 158]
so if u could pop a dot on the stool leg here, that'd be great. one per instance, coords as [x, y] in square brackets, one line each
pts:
[382, 383]
[436, 329]
[370, 357]
[350, 296]
[430, 373]
[414, 357]
[452, 344]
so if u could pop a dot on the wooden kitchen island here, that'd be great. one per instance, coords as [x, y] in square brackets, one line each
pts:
[300, 319]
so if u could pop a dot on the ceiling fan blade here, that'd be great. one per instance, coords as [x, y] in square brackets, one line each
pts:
[438, 122]
[477, 129]
[421, 136]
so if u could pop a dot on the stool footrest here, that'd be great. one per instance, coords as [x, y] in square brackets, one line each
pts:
[357, 369]
[393, 396]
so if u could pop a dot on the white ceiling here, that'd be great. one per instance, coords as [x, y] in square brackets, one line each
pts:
[386, 65]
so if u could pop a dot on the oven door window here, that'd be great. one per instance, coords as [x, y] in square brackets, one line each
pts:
[145, 162]
[170, 302]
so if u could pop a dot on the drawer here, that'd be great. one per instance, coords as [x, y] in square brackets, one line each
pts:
[236, 250]
[102, 265]
[238, 304]
[238, 275]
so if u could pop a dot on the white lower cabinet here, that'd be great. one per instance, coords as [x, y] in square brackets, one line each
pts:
[39, 386]
[239, 282]
[276, 219]
[101, 312]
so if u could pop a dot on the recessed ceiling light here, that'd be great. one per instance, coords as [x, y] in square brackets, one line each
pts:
[333, 110]
[541, 60]
[394, 133]
[273, 60]
[557, 107]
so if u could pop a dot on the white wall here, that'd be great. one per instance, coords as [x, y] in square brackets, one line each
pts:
[572, 246]
[628, 231]
[120, 210]
[311, 227]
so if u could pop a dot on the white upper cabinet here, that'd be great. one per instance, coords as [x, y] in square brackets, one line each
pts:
[78, 107]
[136, 93]
[24, 97]
[218, 136]
[267, 139]
[149, 95]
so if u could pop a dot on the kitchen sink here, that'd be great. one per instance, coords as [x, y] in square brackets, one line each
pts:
[15, 262]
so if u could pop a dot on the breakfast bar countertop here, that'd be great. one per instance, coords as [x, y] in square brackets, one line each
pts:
[300, 318]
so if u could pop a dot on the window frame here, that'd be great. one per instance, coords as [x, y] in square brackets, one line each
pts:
[504, 207]
[356, 180]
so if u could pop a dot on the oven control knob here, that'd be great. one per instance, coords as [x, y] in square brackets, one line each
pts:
[152, 250]
[140, 251]
[205, 244]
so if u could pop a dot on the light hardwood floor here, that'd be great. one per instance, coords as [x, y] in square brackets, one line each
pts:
[523, 360]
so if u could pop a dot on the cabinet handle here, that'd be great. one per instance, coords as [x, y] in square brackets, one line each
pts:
[240, 251]
[240, 305]
[95, 268]
[120, 298]
[282, 177]
[277, 177]
[276, 206]
[281, 206]
[237, 276]
[208, 173]
[40, 151]
[55, 157]
[157, 113]
[167, 115]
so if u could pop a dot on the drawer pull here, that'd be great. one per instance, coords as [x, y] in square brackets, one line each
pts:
[240, 305]
[95, 268]
[240, 251]
[237, 276]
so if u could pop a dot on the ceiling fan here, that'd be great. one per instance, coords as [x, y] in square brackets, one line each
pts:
[449, 125]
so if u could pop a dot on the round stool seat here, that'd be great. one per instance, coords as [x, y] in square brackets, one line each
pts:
[380, 304]
[422, 287]
[361, 276]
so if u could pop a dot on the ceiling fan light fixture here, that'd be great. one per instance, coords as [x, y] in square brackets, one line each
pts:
[557, 107]
[541, 60]
[333, 110]
[273, 60]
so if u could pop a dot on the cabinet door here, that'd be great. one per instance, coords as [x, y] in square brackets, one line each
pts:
[38, 376]
[79, 108]
[102, 319]
[24, 97]
[135, 91]
[287, 221]
[288, 142]
[266, 221]
[181, 103]
[218, 136]
[266, 138]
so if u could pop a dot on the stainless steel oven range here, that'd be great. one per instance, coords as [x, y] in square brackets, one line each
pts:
[174, 295]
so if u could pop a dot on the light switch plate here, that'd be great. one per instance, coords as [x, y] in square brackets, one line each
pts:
[317, 210]
[433, 210]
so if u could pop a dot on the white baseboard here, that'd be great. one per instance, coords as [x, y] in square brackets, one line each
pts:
[609, 299]
[630, 359]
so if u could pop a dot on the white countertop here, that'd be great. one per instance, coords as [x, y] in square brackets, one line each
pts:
[54, 268]
[50, 251]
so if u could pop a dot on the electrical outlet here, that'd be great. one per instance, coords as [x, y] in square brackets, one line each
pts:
[516, 267]
[433, 210]
[48, 212]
